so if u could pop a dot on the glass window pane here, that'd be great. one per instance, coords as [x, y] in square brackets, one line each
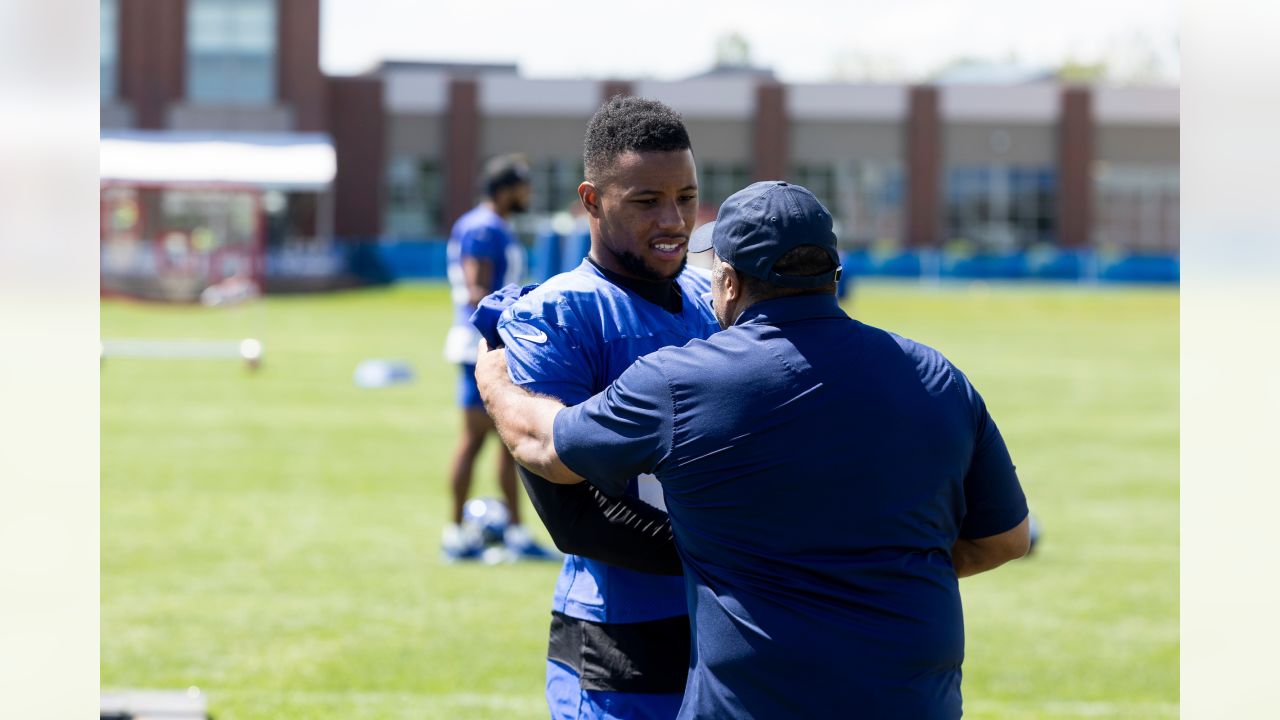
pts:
[254, 27]
[207, 27]
[108, 49]
[231, 51]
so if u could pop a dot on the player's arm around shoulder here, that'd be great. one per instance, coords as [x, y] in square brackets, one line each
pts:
[524, 420]
[541, 368]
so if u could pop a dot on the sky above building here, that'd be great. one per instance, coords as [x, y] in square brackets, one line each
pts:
[801, 40]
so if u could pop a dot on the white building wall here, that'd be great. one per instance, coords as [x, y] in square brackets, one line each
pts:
[999, 144]
[813, 142]
[538, 137]
[1028, 104]
[730, 98]
[1137, 106]
[416, 92]
[513, 96]
[834, 102]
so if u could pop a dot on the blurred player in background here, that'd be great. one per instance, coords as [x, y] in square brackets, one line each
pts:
[484, 255]
[619, 645]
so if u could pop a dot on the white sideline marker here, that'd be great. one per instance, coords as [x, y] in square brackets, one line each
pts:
[154, 705]
[249, 350]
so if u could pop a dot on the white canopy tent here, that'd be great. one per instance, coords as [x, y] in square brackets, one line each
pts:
[270, 161]
[175, 203]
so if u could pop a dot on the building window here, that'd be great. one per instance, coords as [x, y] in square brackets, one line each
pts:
[1001, 209]
[864, 197]
[231, 51]
[555, 185]
[108, 48]
[821, 181]
[1136, 207]
[414, 191]
[717, 181]
[869, 205]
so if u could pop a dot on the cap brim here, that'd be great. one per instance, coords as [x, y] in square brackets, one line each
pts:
[700, 240]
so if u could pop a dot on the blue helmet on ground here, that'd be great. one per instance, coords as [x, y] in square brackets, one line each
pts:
[490, 516]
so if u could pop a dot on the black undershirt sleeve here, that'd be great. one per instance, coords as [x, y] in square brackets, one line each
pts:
[623, 531]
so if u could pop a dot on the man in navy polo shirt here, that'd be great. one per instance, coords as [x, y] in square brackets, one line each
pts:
[828, 482]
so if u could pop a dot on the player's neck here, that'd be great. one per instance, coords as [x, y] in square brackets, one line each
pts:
[663, 293]
[499, 211]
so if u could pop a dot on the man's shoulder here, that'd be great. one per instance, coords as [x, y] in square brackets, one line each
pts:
[930, 365]
[479, 219]
[909, 347]
[468, 219]
[702, 358]
[572, 291]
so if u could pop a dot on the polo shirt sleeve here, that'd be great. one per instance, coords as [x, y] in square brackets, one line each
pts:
[621, 432]
[994, 501]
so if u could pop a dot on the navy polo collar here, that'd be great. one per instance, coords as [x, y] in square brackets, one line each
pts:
[789, 309]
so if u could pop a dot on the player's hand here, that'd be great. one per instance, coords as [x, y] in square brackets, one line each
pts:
[489, 310]
[491, 370]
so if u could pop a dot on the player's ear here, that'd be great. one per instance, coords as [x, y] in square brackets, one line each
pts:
[590, 198]
[728, 280]
[732, 284]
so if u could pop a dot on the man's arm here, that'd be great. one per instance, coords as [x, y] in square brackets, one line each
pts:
[993, 497]
[477, 273]
[975, 555]
[621, 531]
[524, 421]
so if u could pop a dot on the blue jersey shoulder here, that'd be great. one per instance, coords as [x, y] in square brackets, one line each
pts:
[583, 294]
[478, 217]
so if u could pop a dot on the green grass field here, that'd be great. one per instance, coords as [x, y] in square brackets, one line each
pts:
[273, 538]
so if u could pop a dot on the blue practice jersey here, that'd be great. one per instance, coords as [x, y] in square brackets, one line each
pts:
[481, 233]
[569, 339]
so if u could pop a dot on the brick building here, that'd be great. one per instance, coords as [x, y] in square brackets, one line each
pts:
[986, 167]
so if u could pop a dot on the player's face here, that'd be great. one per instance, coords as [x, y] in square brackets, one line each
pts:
[642, 214]
[515, 199]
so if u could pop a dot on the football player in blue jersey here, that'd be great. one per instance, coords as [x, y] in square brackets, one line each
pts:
[619, 645]
[483, 255]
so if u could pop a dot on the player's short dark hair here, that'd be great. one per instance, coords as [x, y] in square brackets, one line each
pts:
[802, 261]
[503, 171]
[630, 124]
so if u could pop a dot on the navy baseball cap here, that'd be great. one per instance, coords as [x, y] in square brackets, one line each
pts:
[761, 223]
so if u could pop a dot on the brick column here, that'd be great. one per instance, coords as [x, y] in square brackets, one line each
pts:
[923, 168]
[462, 148]
[153, 62]
[358, 125]
[299, 82]
[770, 133]
[1075, 168]
[609, 88]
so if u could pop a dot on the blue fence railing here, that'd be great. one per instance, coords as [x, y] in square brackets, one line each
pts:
[385, 261]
